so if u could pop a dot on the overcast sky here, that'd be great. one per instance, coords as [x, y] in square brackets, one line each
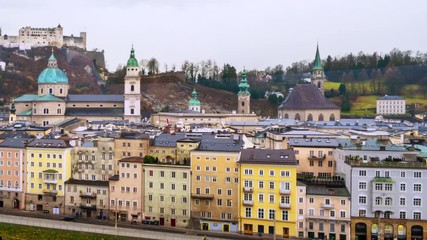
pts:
[251, 33]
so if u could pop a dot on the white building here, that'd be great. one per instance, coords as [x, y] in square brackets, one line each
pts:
[391, 105]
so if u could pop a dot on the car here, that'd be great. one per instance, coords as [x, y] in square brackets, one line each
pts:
[69, 218]
[45, 211]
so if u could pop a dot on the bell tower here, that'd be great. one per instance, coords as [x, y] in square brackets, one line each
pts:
[12, 113]
[317, 74]
[132, 93]
[244, 96]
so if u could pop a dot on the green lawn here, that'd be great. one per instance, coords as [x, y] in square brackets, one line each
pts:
[331, 85]
[12, 231]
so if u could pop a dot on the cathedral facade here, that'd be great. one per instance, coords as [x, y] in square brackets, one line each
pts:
[52, 104]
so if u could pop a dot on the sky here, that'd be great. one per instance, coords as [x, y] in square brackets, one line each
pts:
[253, 34]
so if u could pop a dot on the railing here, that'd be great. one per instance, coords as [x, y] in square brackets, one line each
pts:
[88, 206]
[87, 195]
[248, 189]
[387, 164]
[285, 205]
[50, 180]
[248, 202]
[328, 205]
[202, 196]
[285, 191]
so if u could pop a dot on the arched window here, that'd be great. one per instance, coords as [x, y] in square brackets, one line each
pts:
[297, 117]
[332, 117]
[388, 201]
[320, 117]
[243, 103]
[132, 88]
[46, 111]
[41, 90]
[50, 90]
[286, 116]
[378, 201]
[310, 117]
[60, 91]
[58, 111]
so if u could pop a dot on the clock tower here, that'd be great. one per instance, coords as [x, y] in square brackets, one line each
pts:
[244, 96]
[132, 95]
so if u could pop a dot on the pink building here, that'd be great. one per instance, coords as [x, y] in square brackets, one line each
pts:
[12, 173]
[127, 190]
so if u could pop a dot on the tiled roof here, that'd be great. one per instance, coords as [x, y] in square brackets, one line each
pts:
[48, 143]
[386, 97]
[313, 142]
[48, 98]
[220, 142]
[15, 134]
[26, 98]
[94, 98]
[15, 142]
[324, 190]
[28, 112]
[132, 159]
[268, 156]
[306, 96]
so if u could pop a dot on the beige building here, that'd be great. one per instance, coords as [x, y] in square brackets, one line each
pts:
[214, 183]
[327, 213]
[127, 190]
[167, 194]
[391, 105]
[301, 208]
[314, 156]
[130, 144]
[87, 198]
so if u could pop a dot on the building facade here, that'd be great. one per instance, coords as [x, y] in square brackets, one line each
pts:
[391, 105]
[268, 196]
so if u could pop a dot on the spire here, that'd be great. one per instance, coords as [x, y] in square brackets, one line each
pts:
[317, 61]
[12, 108]
[52, 62]
[132, 62]
[194, 94]
[243, 85]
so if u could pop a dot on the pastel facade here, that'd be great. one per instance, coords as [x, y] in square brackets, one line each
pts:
[391, 105]
[48, 167]
[167, 194]
[127, 190]
[268, 192]
[130, 144]
[12, 173]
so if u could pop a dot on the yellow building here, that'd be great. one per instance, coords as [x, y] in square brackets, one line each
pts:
[214, 183]
[268, 197]
[48, 167]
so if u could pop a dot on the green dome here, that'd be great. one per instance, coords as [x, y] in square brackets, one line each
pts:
[243, 85]
[132, 62]
[52, 74]
[194, 101]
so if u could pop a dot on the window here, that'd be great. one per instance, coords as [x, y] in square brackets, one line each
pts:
[402, 215]
[261, 213]
[272, 185]
[271, 172]
[417, 187]
[403, 187]
[311, 200]
[248, 212]
[362, 213]
[311, 212]
[417, 215]
[343, 202]
[248, 171]
[417, 174]
[261, 197]
[417, 201]
[378, 186]
[378, 201]
[388, 187]
[362, 199]
[261, 184]
[271, 214]
[362, 185]
[362, 173]
[332, 213]
[402, 201]
[342, 214]
[402, 174]
[388, 201]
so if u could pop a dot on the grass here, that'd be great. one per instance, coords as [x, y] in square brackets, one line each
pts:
[12, 231]
[331, 85]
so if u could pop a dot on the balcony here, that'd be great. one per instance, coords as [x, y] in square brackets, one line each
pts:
[202, 196]
[248, 189]
[317, 158]
[50, 192]
[87, 195]
[285, 205]
[285, 191]
[328, 206]
[50, 180]
[248, 202]
[88, 206]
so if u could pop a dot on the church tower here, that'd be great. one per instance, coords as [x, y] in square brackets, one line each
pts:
[244, 96]
[12, 113]
[194, 103]
[132, 96]
[317, 74]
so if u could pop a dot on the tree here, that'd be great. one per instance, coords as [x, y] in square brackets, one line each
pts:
[342, 89]
[345, 103]
[153, 66]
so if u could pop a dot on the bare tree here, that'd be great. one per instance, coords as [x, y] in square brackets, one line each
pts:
[153, 66]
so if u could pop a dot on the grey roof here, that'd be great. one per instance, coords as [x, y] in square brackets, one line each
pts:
[87, 182]
[94, 112]
[48, 143]
[306, 96]
[368, 145]
[169, 140]
[88, 144]
[313, 142]
[15, 142]
[94, 98]
[15, 134]
[325, 190]
[133, 135]
[220, 142]
[387, 97]
[268, 156]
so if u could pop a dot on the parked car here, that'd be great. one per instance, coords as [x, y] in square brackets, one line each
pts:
[69, 218]
[45, 211]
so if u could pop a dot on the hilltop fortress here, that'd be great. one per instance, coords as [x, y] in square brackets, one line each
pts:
[29, 37]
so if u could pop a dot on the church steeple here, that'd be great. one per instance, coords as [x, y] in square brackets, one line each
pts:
[317, 74]
[52, 62]
[317, 61]
[194, 103]
[244, 96]
[12, 112]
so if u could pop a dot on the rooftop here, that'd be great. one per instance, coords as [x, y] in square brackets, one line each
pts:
[48, 143]
[132, 160]
[387, 97]
[268, 156]
[306, 96]
[95, 98]
[87, 182]
[313, 142]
